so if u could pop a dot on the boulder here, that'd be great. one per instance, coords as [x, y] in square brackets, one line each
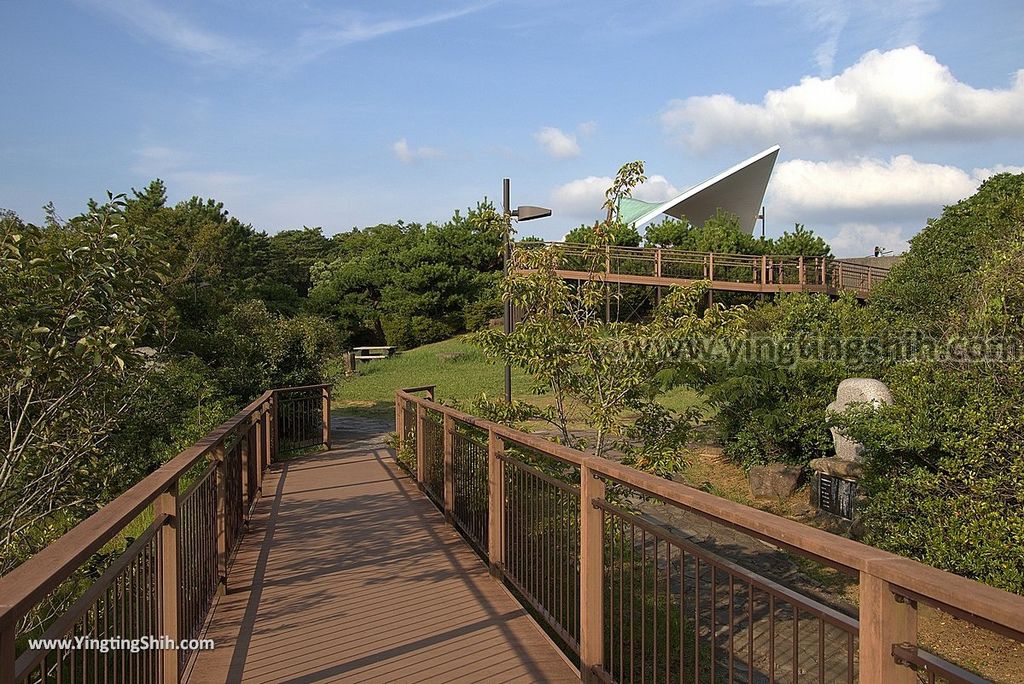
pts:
[774, 481]
[855, 391]
[838, 467]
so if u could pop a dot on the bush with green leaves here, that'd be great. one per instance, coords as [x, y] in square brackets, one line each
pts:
[79, 298]
[773, 408]
[946, 466]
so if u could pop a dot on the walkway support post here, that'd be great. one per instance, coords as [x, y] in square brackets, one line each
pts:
[246, 454]
[272, 432]
[400, 421]
[167, 504]
[886, 619]
[495, 503]
[222, 515]
[591, 575]
[8, 636]
[326, 410]
[449, 467]
[421, 445]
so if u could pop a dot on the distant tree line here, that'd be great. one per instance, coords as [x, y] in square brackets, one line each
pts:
[129, 331]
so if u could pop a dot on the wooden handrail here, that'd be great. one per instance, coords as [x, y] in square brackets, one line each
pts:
[987, 606]
[32, 581]
[767, 273]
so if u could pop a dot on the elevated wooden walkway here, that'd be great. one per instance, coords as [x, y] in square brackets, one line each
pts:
[348, 573]
[665, 267]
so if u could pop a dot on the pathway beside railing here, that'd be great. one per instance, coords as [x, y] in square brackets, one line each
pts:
[166, 581]
[658, 266]
[633, 601]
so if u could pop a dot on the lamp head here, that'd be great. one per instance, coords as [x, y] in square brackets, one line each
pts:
[528, 213]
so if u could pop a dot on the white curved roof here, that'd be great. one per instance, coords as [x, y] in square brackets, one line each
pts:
[739, 190]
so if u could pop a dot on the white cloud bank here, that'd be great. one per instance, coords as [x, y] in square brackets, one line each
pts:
[895, 96]
[874, 188]
[583, 198]
[869, 202]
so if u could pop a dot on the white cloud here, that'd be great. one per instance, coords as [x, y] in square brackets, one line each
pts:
[584, 197]
[587, 128]
[982, 174]
[147, 19]
[171, 28]
[355, 28]
[408, 155]
[827, 20]
[860, 239]
[834, 190]
[557, 143]
[886, 97]
[868, 202]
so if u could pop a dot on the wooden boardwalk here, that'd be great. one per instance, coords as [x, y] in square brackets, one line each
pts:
[349, 574]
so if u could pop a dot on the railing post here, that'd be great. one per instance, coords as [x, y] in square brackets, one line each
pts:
[272, 435]
[449, 467]
[246, 455]
[657, 262]
[8, 638]
[167, 504]
[764, 270]
[400, 421]
[591, 574]
[222, 514]
[261, 450]
[824, 271]
[803, 274]
[267, 419]
[327, 417]
[495, 502]
[885, 620]
[711, 266]
[421, 444]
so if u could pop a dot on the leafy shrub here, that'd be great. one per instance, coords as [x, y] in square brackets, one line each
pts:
[773, 409]
[945, 482]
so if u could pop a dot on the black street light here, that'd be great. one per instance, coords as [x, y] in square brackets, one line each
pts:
[521, 213]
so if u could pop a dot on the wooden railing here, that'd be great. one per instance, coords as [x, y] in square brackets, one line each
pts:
[164, 584]
[737, 272]
[632, 600]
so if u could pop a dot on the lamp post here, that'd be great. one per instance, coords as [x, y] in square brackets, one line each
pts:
[522, 213]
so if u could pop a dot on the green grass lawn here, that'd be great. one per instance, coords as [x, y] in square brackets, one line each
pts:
[460, 371]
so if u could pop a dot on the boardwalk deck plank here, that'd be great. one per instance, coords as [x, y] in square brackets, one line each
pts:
[349, 574]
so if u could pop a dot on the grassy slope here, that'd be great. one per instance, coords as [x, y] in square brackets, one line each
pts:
[459, 370]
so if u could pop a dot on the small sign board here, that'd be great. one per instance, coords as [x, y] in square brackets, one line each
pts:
[836, 495]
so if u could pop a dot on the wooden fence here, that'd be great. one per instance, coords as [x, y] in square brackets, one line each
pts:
[632, 600]
[167, 579]
[658, 266]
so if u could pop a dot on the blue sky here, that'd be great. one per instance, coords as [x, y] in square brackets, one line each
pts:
[299, 112]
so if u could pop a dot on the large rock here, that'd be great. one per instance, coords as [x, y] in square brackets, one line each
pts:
[839, 467]
[855, 391]
[774, 481]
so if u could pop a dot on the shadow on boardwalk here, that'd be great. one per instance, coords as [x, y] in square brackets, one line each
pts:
[349, 574]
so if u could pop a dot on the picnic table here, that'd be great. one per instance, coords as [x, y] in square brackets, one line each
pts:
[371, 353]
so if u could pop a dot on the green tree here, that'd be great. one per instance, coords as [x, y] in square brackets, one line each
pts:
[80, 298]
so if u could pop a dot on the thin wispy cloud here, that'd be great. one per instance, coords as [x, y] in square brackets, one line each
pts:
[175, 30]
[147, 20]
[830, 19]
[352, 28]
